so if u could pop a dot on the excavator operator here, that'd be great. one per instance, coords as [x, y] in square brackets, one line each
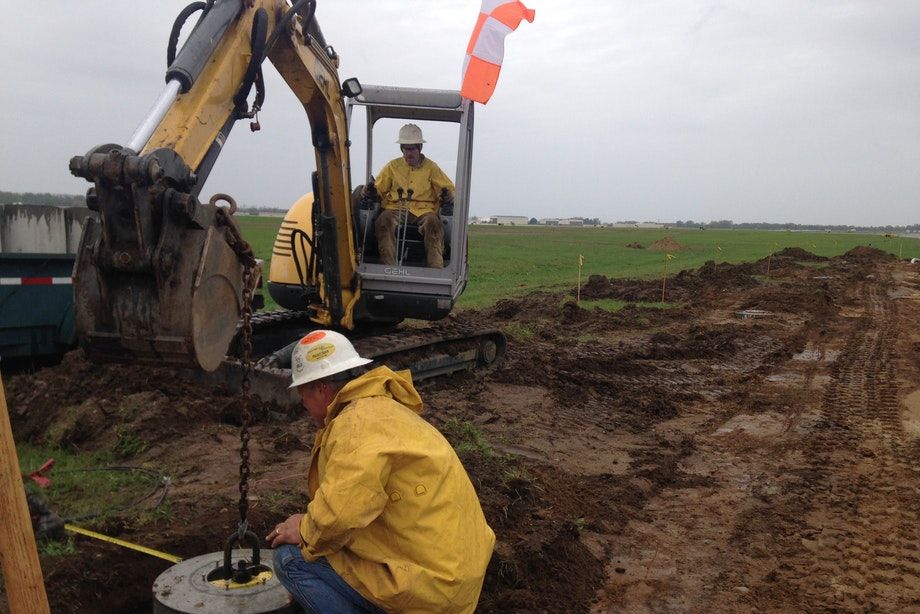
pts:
[410, 188]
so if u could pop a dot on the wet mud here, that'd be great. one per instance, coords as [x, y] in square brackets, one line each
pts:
[754, 447]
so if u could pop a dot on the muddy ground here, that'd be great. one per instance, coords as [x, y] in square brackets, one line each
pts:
[643, 460]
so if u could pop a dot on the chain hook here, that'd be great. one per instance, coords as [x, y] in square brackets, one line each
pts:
[227, 199]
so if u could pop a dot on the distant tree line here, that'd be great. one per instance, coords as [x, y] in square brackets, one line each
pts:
[78, 200]
[43, 198]
[791, 226]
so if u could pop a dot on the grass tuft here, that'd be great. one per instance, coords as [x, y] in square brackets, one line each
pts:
[468, 439]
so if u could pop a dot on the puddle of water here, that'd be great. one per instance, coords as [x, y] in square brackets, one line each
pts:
[649, 565]
[786, 378]
[761, 425]
[903, 292]
[753, 313]
[911, 416]
[816, 354]
[847, 312]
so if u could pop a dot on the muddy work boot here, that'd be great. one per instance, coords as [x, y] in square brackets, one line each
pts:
[46, 524]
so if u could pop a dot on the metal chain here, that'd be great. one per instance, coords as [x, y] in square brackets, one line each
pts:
[246, 414]
[244, 252]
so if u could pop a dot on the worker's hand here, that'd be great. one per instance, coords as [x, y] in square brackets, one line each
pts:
[369, 190]
[288, 532]
[447, 202]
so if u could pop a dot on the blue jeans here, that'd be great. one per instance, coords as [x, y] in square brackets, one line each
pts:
[316, 586]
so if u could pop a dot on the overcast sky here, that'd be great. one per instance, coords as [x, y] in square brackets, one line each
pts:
[802, 111]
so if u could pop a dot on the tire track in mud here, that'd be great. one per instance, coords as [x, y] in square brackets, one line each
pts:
[621, 393]
[860, 541]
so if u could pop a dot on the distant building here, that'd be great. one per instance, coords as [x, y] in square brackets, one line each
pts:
[549, 221]
[509, 220]
[572, 221]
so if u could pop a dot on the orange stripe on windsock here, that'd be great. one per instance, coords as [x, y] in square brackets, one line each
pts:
[479, 80]
[512, 13]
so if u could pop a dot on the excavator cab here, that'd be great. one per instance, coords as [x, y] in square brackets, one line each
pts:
[410, 289]
[385, 294]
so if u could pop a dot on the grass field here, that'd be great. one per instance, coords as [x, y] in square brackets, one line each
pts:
[513, 260]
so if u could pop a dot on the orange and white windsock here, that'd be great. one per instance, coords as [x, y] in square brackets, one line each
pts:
[484, 54]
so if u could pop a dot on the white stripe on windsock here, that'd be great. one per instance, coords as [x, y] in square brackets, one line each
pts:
[490, 46]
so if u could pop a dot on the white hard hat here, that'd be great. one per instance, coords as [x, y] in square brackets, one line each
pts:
[320, 354]
[410, 134]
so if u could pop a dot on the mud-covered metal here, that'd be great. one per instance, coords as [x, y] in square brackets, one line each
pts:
[437, 350]
[185, 587]
[158, 277]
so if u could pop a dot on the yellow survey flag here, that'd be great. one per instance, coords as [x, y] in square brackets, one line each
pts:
[669, 256]
[581, 260]
[718, 247]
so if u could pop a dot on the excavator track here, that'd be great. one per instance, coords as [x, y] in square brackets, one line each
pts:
[439, 349]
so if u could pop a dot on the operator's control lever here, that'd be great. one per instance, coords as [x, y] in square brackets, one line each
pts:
[369, 195]
[402, 223]
[447, 203]
[401, 207]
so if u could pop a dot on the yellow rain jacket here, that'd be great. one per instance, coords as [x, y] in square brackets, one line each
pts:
[426, 182]
[392, 509]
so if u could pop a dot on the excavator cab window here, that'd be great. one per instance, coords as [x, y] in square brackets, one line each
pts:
[440, 148]
[410, 288]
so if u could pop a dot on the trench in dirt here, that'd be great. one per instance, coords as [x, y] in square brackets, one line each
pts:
[643, 459]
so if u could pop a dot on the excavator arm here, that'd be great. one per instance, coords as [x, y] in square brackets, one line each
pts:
[161, 277]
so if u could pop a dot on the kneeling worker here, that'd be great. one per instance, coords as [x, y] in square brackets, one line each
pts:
[394, 523]
[411, 182]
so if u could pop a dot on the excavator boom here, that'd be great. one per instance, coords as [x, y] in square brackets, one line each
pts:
[159, 277]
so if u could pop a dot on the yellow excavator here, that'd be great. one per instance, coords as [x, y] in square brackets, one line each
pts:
[162, 277]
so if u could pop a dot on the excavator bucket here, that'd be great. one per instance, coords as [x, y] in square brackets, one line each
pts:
[159, 277]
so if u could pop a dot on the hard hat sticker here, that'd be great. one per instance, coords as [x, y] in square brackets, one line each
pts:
[313, 337]
[320, 351]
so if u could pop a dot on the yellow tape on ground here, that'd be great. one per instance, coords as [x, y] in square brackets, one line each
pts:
[75, 529]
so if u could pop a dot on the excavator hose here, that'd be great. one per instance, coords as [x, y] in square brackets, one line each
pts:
[284, 21]
[254, 70]
[177, 27]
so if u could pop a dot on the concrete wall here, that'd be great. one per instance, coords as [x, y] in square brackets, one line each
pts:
[41, 229]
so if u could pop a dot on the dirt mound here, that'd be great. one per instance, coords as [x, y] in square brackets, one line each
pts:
[865, 253]
[634, 245]
[797, 253]
[667, 245]
[710, 279]
[78, 403]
